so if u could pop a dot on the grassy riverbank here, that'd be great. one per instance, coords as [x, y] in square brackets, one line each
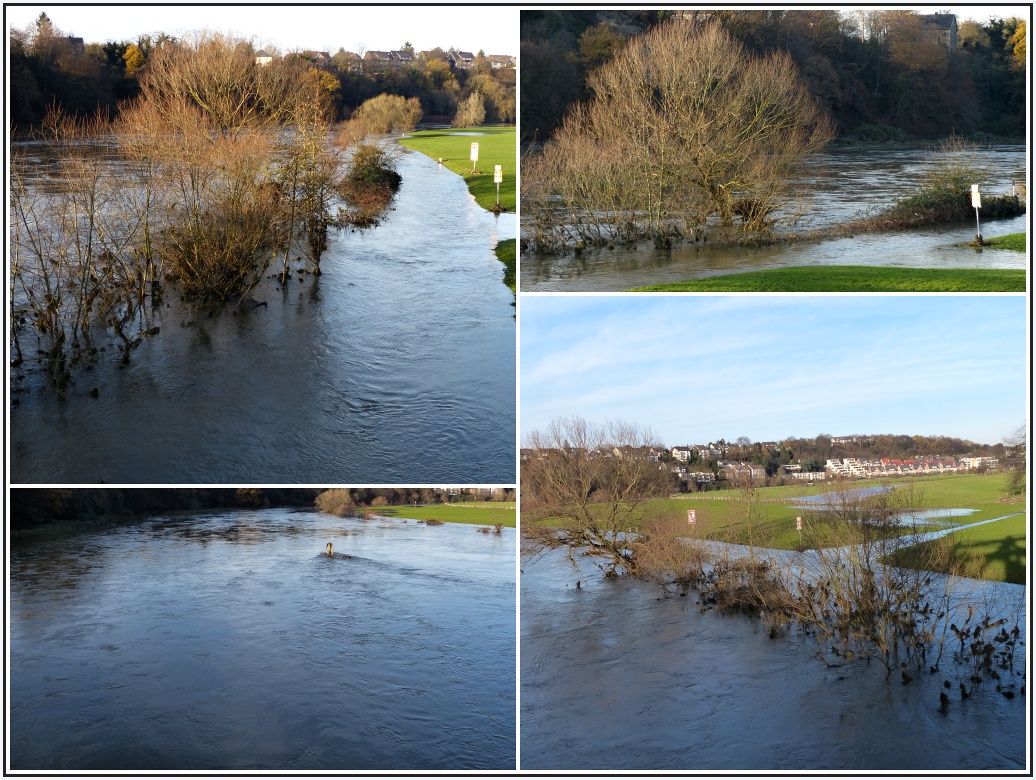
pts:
[470, 512]
[1012, 241]
[506, 254]
[855, 278]
[496, 146]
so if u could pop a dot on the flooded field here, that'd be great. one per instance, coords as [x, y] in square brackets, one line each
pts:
[397, 365]
[847, 183]
[231, 641]
[615, 678]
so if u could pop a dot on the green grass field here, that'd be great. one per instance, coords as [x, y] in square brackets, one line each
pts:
[1013, 241]
[855, 278]
[506, 254]
[496, 146]
[1001, 545]
[477, 513]
[721, 518]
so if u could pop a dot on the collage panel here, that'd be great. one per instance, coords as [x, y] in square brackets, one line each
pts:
[784, 530]
[303, 277]
[824, 150]
[260, 495]
[261, 629]
[710, 584]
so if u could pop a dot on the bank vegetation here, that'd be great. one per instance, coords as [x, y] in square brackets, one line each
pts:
[217, 170]
[586, 492]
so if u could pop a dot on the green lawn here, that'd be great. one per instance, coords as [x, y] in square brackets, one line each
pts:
[505, 253]
[496, 146]
[855, 278]
[718, 516]
[468, 512]
[1001, 545]
[1013, 241]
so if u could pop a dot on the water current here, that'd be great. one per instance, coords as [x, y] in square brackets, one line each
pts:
[397, 365]
[230, 641]
[613, 677]
[845, 183]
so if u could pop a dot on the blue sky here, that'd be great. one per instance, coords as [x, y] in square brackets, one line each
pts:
[294, 26]
[699, 368]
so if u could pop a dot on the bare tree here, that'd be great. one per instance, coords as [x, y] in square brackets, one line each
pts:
[684, 124]
[582, 489]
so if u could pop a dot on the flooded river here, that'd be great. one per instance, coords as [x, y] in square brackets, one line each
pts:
[230, 641]
[847, 183]
[397, 365]
[613, 678]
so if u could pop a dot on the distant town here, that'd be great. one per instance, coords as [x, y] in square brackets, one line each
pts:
[714, 465]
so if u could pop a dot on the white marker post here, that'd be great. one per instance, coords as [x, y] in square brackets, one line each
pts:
[498, 176]
[474, 155]
[691, 519]
[976, 202]
[798, 526]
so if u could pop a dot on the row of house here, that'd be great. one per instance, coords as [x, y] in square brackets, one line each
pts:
[401, 58]
[875, 467]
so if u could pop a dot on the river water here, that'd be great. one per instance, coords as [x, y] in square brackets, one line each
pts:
[230, 641]
[397, 365]
[615, 678]
[846, 183]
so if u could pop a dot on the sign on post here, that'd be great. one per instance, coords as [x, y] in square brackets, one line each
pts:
[691, 517]
[798, 523]
[498, 176]
[976, 203]
[474, 151]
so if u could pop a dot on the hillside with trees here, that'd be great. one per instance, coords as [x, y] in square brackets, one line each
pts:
[879, 75]
[50, 67]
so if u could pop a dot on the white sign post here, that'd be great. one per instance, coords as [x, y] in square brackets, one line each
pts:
[498, 176]
[976, 203]
[474, 154]
[691, 518]
[798, 526]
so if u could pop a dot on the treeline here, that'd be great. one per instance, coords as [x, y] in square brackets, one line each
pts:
[36, 507]
[49, 68]
[879, 75]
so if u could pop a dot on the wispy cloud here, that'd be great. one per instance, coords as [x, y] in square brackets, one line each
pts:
[701, 367]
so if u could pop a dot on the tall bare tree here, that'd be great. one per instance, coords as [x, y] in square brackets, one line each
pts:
[583, 486]
[684, 124]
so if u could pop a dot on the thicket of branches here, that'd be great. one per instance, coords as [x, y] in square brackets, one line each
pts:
[218, 167]
[683, 124]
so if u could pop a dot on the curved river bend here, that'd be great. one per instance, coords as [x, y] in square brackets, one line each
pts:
[614, 678]
[397, 365]
[230, 641]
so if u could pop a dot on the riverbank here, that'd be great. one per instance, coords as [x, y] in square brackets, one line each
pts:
[39, 512]
[474, 513]
[506, 253]
[856, 278]
[1015, 242]
[496, 146]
